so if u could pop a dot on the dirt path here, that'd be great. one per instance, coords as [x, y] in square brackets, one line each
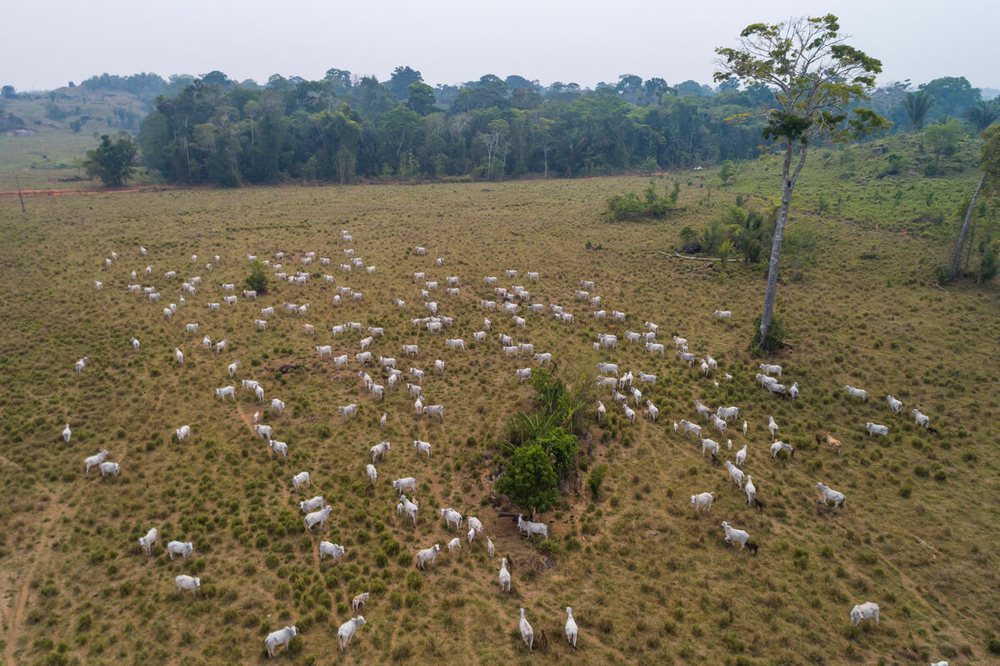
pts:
[39, 553]
[61, 193]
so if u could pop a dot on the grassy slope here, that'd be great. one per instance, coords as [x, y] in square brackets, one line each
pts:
[652, 584]
[56, 152]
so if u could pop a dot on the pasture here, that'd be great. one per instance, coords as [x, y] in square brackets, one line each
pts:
[649, 580]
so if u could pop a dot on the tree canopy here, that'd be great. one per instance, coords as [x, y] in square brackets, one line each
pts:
[113, 161]
[818, 80]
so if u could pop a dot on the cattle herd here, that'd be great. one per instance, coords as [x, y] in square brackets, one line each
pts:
[378, 374]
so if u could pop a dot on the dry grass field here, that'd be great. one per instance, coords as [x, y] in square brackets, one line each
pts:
[650, 582]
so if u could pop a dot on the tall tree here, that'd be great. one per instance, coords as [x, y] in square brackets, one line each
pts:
[401, 79]
[420, 98]
[917, 105]
[989, 162]
[953, 93]
[817, 75]
[983, 114]
[112, 161]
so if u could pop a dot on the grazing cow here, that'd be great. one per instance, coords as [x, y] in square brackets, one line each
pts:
[317, 517]
[280, 637]
[346, 631]
[864, 611]
[94, 460]
[702, 500]
[336, 551]
[179, 548]
[185, 582]
[301, 480]
[146, 542]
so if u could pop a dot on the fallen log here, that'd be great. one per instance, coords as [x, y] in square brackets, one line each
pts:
[677, 255]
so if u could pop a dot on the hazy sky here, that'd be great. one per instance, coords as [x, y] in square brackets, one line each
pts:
[583, 41]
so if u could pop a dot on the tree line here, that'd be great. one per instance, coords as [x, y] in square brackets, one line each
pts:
[341, 130]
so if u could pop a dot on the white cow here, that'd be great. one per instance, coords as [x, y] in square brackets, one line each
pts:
[185, 582]
[702, 501]
[301, 480]
[830, 495]
[451, 516]
[312, 504]
[427, 555]
[864, 611]
[876, 429]
[332, 550]
[530, 528]
[317, 517]
[405, 483]
[280, 637]
[346, 631]
[857, 393]
[179, 548]
[146, 542]
[735, 536]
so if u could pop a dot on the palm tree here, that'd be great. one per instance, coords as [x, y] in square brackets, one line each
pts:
[917, 105]
[983, 115]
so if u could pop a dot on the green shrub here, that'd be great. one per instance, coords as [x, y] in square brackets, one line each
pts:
[630, 207]
[257, 280]
[596, 480]
[529, 479]
[84, 623]
[414, 581]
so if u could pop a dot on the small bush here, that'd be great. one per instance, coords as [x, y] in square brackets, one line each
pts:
[257, 280]
[414, 581]
[84, 623]
[596, 480]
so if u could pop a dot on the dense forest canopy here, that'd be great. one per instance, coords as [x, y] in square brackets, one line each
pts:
[343, 127]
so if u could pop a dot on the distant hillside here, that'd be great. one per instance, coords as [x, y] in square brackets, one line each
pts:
[44, 135]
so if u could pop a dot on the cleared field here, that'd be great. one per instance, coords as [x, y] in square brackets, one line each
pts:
[650, 582]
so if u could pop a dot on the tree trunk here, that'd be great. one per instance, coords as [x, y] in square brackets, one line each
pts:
[965, 229]
[19, 195]
[787, 185]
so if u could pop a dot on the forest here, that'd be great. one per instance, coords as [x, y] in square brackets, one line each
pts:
[345, 128]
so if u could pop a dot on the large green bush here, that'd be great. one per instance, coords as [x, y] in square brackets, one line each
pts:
[257, 281]
[529, 479]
